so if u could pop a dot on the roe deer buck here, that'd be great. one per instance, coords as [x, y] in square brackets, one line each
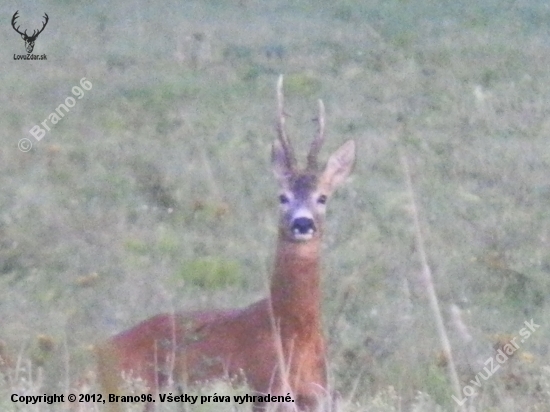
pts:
[276, 344]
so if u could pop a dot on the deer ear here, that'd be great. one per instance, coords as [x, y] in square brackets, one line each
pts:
[279, 162]
[339, 166]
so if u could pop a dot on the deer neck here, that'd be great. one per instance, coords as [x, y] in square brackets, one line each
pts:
[295, 286]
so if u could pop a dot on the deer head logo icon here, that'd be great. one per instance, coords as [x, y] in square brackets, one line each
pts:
[29, 40]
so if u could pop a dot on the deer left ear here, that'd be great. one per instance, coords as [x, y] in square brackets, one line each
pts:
[339, 166]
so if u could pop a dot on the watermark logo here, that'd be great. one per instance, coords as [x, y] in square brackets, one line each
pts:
[29, 40]
[503, 354]
[62, 109]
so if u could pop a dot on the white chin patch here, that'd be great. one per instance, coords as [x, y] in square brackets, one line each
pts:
[302, 236]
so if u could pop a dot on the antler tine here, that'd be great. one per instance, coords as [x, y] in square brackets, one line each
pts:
[318, 140]
[281, 133]
[47, 19]
[13, 19]
[37, 32]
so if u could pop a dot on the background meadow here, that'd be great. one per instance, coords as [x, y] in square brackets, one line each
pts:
[154, 193]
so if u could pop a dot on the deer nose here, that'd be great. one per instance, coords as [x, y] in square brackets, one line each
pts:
[303, 226]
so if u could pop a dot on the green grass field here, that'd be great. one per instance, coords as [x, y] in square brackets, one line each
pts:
[154, 192]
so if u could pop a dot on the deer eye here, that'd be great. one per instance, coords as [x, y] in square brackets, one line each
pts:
[283, 199]
[322, 199]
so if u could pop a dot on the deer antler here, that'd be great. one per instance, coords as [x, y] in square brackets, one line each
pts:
[35, 33]
[281, 134]
[318, 140]
[43, 26]
[15, 16]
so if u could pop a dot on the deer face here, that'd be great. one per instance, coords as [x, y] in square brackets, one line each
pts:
[302, 207]
[303, 194]
[29, 42]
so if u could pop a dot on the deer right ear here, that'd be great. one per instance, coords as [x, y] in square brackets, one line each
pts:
[339, 166]
[280, 162]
